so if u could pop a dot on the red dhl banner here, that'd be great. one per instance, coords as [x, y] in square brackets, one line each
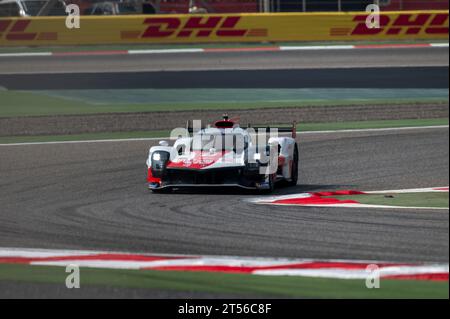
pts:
[212, 28]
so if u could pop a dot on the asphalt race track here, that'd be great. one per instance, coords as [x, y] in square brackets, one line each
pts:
[234, 60]
[379, 68]
[93, 196]
[398, 77]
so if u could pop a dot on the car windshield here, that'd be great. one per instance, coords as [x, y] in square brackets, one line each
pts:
[224, 142]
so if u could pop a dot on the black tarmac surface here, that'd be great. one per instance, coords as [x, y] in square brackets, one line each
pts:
[93, 196]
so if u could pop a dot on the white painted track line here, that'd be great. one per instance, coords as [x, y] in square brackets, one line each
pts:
[25, 54]
[375, 129]
[165, 51]
[317, 47]
[439, 45]
[243, 49]
[298, 133]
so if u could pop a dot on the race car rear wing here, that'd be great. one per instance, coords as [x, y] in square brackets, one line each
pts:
[282, 129]
[227, 123]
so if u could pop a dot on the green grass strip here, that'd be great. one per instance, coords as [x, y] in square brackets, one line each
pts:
[306, 127]
[239, 284]
[84, 137]
[66, 102]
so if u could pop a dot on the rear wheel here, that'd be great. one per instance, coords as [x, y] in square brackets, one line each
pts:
[294, 169]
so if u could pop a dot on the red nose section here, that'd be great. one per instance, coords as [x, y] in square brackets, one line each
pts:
[199, 161]
[151, 179]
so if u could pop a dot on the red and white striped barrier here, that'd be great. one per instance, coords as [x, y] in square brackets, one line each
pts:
[324, 199]
[341, 269]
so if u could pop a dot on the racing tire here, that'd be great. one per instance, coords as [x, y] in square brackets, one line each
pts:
[294, 177]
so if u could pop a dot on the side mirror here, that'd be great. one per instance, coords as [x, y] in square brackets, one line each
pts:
[163, 143]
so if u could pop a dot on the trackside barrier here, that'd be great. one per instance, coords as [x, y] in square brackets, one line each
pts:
[217, 28]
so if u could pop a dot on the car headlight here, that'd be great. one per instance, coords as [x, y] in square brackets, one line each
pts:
[159, 162]
[156, 157]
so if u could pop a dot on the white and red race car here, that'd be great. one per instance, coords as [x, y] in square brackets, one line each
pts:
[224, 155]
